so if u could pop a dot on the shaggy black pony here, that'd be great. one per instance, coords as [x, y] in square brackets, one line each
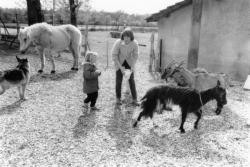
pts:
[188, 99]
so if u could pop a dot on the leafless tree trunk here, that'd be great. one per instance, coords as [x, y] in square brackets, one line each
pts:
[73, 11]
[35, 14]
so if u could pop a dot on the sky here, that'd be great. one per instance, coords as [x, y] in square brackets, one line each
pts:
[128, 6]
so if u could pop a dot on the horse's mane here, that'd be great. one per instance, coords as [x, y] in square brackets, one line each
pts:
[38, 28]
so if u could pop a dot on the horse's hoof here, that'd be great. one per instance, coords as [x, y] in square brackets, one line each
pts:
[74, 69]
[182, 130]
[53, 72]
[40, 71]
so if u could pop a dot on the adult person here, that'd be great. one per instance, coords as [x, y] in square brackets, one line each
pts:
[125, 54]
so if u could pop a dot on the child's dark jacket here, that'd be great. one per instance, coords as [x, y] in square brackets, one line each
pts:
[90, 78]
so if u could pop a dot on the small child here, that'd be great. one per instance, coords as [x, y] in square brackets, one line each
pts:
[90, 80]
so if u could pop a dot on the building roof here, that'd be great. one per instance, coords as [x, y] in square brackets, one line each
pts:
[170, 9]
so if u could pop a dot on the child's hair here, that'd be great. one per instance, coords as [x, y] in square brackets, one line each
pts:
[91, 57]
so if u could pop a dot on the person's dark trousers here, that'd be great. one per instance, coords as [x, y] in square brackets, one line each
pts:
[91, 97]
[119, 78]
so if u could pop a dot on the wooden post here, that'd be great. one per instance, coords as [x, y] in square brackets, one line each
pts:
[160, 56]
[152, 53]
[195, 34]
[86, 39]
[107, 53]
[53, 12]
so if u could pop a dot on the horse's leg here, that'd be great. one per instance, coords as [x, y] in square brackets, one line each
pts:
[41, 54]
[198, 114]
[183, 119]
[73, 55]
[74, 48]
[77, 55]
[52, 62]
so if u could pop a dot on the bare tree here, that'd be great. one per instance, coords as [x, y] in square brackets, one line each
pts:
[35, 14]
[74, 6]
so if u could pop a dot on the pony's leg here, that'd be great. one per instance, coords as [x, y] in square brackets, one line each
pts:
[76, 50]
[138, 119]
[42, 58]
[52, 62]
[183, 119]
[198, 114]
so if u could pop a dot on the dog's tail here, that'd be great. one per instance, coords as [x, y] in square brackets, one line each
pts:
[148, 106]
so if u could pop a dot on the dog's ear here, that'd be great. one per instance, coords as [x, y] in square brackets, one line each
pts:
[218, 83]
[18, 59]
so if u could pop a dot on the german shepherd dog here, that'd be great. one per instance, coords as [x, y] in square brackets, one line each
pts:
[18, 77]
[189, 100]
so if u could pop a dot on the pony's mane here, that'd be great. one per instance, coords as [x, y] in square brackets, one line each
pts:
[38, 28]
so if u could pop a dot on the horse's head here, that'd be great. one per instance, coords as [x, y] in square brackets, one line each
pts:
[220, 96]
[24, 39]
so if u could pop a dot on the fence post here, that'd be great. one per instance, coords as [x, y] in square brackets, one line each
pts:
[160, 64]
[107, 52]
[152, 53]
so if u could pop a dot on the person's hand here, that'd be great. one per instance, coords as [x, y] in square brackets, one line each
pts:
[122, 70]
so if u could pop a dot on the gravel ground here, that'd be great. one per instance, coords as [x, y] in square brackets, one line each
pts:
[51, 129]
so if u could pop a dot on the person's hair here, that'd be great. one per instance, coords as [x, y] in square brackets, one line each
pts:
[127, 33]
[91, 57]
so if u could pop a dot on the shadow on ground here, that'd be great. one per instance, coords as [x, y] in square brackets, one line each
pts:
[85, 124]
[53, 77]
[212, 131]
[119, 126]
[9, 109]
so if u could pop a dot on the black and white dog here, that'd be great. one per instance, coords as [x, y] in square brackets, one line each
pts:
[18, 77]
[189, 100]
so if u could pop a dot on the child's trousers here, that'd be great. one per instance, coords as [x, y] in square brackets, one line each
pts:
[91, 97]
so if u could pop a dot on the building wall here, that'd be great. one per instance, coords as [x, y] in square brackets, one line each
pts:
[174, 32]
[224, 37]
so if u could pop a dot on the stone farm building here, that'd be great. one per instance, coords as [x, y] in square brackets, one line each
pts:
[224, 42]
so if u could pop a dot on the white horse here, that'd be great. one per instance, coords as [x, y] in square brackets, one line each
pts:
[48, 38]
